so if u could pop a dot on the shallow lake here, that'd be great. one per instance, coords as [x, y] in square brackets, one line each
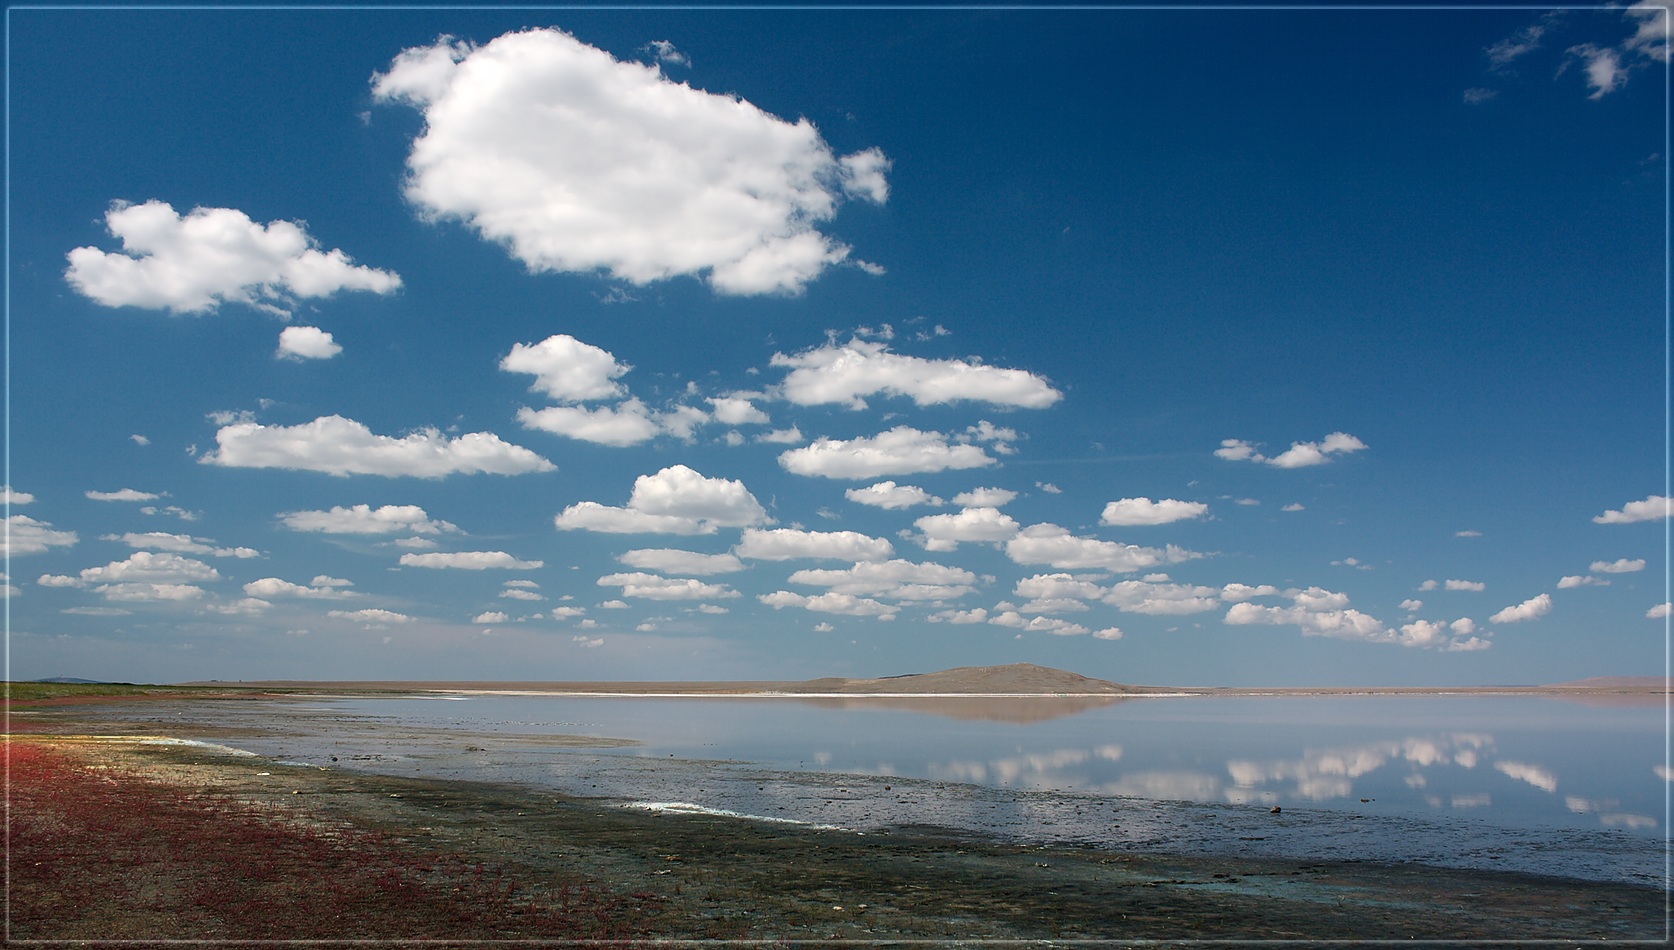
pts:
[1525, 782]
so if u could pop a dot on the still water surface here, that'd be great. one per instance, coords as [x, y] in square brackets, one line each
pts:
[1517, 761]
[1514, 782]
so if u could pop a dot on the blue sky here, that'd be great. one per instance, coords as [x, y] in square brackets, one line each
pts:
[1232, 347]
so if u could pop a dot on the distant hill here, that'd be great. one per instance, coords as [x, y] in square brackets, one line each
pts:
[1024, 678]
[68, 679]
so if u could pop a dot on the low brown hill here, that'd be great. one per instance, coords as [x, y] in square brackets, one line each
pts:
[1014, 678]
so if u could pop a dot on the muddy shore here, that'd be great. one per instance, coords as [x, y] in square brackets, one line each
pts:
[693, 876]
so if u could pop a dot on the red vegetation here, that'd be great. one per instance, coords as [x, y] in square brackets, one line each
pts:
[96, 853]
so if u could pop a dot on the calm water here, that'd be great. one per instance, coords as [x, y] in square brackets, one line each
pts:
[1519, 761]
[1520, 782]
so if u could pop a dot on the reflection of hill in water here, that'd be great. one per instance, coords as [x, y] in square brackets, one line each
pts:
[1013, 678]
[1014, 709]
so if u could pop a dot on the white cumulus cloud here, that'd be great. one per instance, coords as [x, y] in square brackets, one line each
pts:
[1054, 545]
[469, 561]
[1618, 566]
[1299, 455]
[785, 544]
[891, 496]
[1653, 508]
[848, 373]
[985, 498]
[1144, 511]
[676, 500]
[947, 532]
[364, 519]
[567, 369]
[1534, 607]
[339, 446]
[897, 579]
[8, 496]
[178, 543]
[655, 587]
[307, 343]
[25, 535]
[577, 162]
[831, 602]
[674, 561]
[902, 450]
[122, 494]
[209, 257]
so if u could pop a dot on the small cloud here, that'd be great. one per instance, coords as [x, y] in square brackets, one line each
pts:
[306, 343]
[469, 561]
[1049, 488]
[1660, 611]
[492, 616]
[1466, 585]
[140, 439]
[1530, 609]
[664, 52]
[1293, 506]
[1467, 534]
[1299, 455]
[1618, 566]
[122, 494]
[1144, 511]
[823, 627]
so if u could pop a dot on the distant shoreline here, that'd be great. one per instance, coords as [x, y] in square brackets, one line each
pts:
[794, 690]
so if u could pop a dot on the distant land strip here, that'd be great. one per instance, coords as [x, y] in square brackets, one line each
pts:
[1016, 679]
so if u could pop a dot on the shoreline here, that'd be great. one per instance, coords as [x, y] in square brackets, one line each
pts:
[713, 876]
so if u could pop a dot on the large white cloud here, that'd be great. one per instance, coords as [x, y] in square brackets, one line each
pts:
[469, 561]
[785, 544]
[891, 496]
[848, 373]
[676, 500]
[1053, 545]
[897, 579]
[1653, 508]
[1144, 511]
[1299, 455]
[577, 162]
[25, 535]
[210, 257]
[364, 519]
[339, 446]
[1531, 609]
[656, 587]
[567, 369]
[946, 532]
[902, 450]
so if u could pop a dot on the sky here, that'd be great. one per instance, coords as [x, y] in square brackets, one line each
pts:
[1240, 347]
